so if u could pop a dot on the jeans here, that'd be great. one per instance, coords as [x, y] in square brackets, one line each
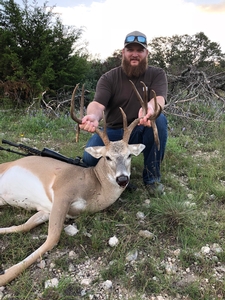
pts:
[141, 134]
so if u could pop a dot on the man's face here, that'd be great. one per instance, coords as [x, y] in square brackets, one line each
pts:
[134, 60]
[135, 53]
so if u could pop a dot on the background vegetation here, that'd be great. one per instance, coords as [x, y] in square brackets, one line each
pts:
[41, 61]
[41, 56]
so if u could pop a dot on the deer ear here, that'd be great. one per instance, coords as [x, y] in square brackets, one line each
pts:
[96, 151]
[136, 149]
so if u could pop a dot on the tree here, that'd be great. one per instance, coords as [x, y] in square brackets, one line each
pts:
[37, 51]
[99, 67]
[178, 52]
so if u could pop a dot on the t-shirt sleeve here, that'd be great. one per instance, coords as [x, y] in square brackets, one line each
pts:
[103, 91]
[159, 83]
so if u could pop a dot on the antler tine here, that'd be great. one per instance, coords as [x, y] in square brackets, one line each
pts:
[144, 103]
[127, 130]
[72, 108]
[81, 113]
[103, 134]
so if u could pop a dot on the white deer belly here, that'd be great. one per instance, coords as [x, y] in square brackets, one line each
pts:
[20, 187]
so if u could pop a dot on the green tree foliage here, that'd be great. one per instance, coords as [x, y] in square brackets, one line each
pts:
[195, 66]
[178, 52]
[99, 67]
[37, 51]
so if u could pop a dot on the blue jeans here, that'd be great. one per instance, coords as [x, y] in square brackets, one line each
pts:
[143, 135]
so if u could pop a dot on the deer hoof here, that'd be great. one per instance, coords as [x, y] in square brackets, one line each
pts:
[122, 180]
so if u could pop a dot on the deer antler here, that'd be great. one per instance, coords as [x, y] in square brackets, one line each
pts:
[144, 105]
[127, 130]
[102, 134]
[72, 107]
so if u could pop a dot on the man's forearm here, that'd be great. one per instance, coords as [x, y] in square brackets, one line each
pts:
[160, 101]
[95, 108]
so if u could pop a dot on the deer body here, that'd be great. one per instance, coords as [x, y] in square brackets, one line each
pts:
[23, 185]
[58, 190]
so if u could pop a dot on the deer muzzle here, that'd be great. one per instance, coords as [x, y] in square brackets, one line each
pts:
[122, 180]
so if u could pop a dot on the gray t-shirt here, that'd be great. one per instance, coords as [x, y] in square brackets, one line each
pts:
[114, 90]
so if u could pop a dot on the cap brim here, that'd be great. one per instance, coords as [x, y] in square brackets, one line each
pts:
[143, 45]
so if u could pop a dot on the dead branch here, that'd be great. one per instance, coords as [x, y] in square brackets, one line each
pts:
[192, 92]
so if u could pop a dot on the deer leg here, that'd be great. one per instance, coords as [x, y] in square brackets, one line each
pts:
[56, 221]
[37, 219]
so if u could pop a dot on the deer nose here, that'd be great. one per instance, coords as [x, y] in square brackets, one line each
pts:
[122, 180]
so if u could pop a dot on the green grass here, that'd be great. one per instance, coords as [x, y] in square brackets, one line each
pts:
[189, 216]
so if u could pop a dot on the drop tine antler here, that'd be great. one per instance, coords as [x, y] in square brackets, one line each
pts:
[158, 110]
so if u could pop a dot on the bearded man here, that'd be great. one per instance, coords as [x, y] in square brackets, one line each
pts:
[114, 90]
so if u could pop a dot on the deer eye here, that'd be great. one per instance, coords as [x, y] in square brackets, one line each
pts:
[108, 158]
[129, 156]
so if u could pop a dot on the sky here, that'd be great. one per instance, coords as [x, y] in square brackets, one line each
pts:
[107, 22]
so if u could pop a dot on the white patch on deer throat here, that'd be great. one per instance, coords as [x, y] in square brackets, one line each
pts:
[79, 204]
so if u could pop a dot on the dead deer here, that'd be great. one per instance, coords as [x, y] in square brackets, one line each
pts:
[58, 190]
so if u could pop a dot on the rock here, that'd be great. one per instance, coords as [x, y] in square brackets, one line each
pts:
[107, 285]
[71, 268]
[205, 250]
[86, 281]
[216, 248]
[140, 215]
[146, 234]
[71, 230]
[131, 256]
[176, 252]
[51, 283]
[41, 264]
[113, 241]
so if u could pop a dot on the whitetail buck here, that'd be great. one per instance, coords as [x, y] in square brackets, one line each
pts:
[57, 190]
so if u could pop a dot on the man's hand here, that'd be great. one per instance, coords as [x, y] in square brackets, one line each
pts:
[94, 114]
[89, 123]
[144, 119]
[151, 110]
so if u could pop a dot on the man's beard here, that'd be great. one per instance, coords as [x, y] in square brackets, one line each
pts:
[134, 71]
